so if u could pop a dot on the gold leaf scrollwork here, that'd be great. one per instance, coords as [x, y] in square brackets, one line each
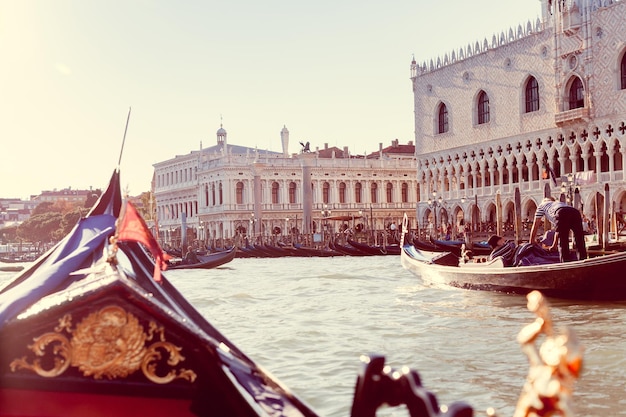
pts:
[62, 354]
[152, 357]
[110, 343]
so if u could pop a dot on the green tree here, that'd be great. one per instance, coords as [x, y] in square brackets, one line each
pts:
[148, 204]
[8, 234]
[45, 207]
[92, 198]
[40, 227]
[68, 221]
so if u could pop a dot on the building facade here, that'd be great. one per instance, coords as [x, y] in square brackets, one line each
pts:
[224, 193]
[539, 106]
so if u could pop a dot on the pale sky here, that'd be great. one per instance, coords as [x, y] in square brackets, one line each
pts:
[332, 71]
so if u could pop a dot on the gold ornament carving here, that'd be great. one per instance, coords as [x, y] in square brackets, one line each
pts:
[110, 343]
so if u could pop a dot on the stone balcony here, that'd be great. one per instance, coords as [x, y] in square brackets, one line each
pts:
[574, 115]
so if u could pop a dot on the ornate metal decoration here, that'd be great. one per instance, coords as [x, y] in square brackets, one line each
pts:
[110, 343]
[554, 366]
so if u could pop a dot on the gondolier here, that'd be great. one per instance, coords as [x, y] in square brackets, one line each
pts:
[564, 218]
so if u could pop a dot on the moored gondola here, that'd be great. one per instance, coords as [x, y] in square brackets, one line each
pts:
[376, 250]
[209, 261]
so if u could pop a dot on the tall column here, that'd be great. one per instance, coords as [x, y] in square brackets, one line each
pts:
[307, 194]
[258, 196]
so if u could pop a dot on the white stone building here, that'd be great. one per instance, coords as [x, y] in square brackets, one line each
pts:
[490, 116]
[225, 191]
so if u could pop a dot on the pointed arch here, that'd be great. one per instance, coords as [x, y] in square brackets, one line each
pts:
[515, 171]
[617, 156]
[622, 71]
[604, 158]
[567, 168]
[531, 95]
[575, 93]
[580, 163]
[443, 125]
[482, 108]
[555, 164]
[591, 162]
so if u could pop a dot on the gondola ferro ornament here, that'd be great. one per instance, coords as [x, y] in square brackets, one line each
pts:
[554, 365]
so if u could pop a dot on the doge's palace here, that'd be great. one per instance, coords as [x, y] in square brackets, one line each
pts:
[537, 106]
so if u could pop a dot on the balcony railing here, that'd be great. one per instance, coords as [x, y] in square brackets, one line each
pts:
[581, 113]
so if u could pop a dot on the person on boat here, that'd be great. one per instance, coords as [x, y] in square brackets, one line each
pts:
[503, 248]
[564, 218]
[191, 257]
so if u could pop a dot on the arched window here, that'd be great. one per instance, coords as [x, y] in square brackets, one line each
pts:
[326, 193]
[292, 192]
[576, 94]
[532, 95]
[442, 119]
[623, 72]
[358, 189]
[405, 192]
[275, 193]
[239, 192]
[389, 192]
[374, 192]
[617, 156]
[221, 194]
[483, 108]
[342, 192]
[213, 194]
[604, 158]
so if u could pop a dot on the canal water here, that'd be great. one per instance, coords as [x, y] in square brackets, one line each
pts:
[308, 320]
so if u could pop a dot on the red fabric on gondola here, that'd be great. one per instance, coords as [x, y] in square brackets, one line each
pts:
[133, 228]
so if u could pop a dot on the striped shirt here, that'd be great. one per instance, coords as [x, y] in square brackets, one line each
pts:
[506, 251]
[549, 209]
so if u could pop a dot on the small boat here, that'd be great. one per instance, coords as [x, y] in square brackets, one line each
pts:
[322, 253]
[11, 268]
[347, 249]
[598, 278]
[376, 249]
[94, 327]
[209, 261]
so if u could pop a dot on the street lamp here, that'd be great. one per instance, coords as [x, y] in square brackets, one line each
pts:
[434, 203]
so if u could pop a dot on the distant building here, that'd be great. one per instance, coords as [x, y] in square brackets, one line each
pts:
[14, 211]
[224, 191]
[66, 194]
[541, 101]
